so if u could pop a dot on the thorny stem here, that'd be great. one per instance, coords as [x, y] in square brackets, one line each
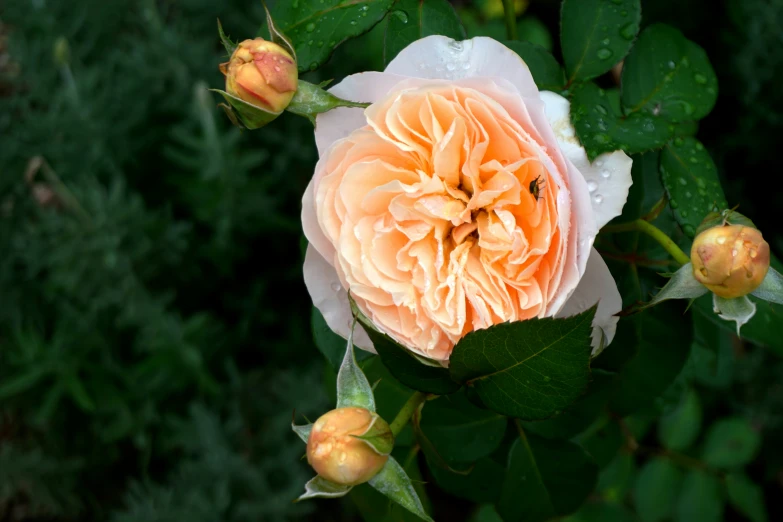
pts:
[654, 232]
[406, 412]
[511, 19]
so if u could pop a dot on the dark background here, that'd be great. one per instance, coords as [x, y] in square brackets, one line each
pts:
[154, 327]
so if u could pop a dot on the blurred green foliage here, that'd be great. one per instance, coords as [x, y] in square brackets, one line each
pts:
[154, 328]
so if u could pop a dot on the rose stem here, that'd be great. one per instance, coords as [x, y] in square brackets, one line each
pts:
[511, 19]
[654, 232]
[406, 412]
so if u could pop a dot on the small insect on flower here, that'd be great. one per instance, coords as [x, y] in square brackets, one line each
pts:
[535, 187]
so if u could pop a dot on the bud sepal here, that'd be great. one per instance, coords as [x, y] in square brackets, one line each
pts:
[352, 444]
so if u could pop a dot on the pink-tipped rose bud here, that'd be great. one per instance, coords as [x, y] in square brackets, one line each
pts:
[261, 73]
[730, 260]
[335, 452]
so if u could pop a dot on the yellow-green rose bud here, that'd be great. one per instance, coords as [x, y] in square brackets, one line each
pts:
[335, 451]
[730, 260]
[261, 73]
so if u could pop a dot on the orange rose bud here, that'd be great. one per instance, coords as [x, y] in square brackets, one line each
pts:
[335, 452]
[261, 73]
[730, 260]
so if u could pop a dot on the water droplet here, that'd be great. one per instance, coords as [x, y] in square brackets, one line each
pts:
[689, 230]
[336, 287]
[606, 41]
[648, 126]
[678, 142]
[592, 186]
[598, 199]
[314, 66]
[628, 31]
[599, 163]
[601, 138]
[682, 181]
[673, 203]
[688, 194]
[688, 108]
[700, 78]
[320, 43]
[310, 42]
[450, 66]
[734, 252]
[605, 174]
[699, 146]
[601, 109]
[365, 8]
[684, 213]
[353, 22]
[701, 183]
[277, 68]
[456, 46]
[604, 53]
[310, 27]
[402, 16]
[547, 378]
[693, 159]
[671, 64]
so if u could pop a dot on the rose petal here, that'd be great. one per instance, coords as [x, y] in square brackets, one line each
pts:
[608, 177]
[331, 299]
[440, 57]
[366, 87]
[597, 286]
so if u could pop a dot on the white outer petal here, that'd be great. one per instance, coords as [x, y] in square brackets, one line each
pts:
[439, 57]
[609, 176]
[597, 286]
[321, 280]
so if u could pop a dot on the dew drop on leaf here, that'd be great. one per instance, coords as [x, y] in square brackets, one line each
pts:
[604, 53]
[700, 78]
[310, 27]
[628, 31]
[601, 138]
[400, 15]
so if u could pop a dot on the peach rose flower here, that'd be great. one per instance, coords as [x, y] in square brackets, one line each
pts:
[459, 199]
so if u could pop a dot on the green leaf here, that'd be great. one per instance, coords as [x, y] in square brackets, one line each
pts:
[460, 431]
[581, 414]
[482, 483]
[602, 441]
[681, 285]
[656, 489]
[409, 370]
[528, 369]
[353, 389]
[393, 482]
[679, 429]
[746, 496]
[545, 479]
[668, 75]
[691, 181]
[596, 34]
[700, 498]
[601, 513]
[319, 487]
[390, 395]
[740, 310]
[311, 100]
[615, 479]
[378, 436]
[412, 20]
[601, 128]
[663, 338]
[487, 513]
[21, 383]
[303, 431]
[316, 27]
[547, 73]
[771, 288]
[731, 443]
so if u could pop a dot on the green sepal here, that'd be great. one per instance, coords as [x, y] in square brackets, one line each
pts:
[378, 436]
[311, 100]
[353, 388]
[250, 116]
[319, 487]
[771, 289]
[393, 482]
[740, 309]
[303, 431]
[225, 40]
[276, 35]
[682, 285]
[727, 217]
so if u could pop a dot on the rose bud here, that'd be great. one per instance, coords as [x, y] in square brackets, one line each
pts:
[336, 452]
[730, 260]
[262, 74]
